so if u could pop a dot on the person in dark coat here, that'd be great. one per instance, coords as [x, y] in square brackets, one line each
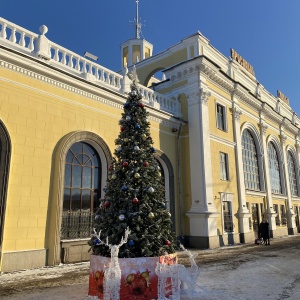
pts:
[260, 231]
[266, 232]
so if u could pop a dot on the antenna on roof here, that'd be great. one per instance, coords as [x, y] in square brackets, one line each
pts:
[137, 24]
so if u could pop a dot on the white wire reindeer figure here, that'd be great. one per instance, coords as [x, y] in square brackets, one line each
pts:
[179, 276]
[112, 275]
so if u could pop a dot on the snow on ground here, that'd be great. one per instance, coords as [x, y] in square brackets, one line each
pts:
[270, 274]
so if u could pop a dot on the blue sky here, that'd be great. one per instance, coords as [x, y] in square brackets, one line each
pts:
[265, 32]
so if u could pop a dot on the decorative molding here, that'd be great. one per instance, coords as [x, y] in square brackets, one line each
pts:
[222, 141]
[204, 94]
[116, 104]
[263, 127]
[237, 112]
[283, 137]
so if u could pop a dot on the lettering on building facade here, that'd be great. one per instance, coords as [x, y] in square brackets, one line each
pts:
[282, 97]
[235, 56]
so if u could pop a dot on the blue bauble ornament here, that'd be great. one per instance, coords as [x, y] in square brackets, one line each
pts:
[96, 242]
[163, 205]
[152, 149]
[126, 105]
[137, 126]
[121, 217]
[131, 243]
[124, 188]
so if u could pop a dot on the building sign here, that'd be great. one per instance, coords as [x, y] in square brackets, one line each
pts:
[235, 56]
[282, 97]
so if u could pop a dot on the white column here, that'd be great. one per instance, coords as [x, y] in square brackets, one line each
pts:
[243, 211]
[202, 213]
[269, 202]
[289, 209]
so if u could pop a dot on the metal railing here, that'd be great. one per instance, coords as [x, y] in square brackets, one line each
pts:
[76, 225]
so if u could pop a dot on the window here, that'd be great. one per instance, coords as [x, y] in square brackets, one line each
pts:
[250, 162]
[292, 174]
[283, 215]
[227, 216]
[81, 191]
[274, 169]
[224, 166]
[221, 117]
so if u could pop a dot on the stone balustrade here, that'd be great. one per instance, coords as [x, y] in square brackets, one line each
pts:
[15, 37]
[91, 71]
[159, 101]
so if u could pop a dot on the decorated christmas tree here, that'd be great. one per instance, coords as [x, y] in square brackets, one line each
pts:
[134, 194]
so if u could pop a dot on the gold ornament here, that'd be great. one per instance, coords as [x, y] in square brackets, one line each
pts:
[151, 215]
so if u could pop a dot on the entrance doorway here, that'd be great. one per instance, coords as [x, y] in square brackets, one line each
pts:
[296, 210]
[255, 218]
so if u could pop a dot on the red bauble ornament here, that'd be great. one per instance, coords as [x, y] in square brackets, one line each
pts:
[141, 105]
[125, 164]
[106, 203]
[122, 128]
[139, 285]
[145, 164]
[167, 243]
[135, 200]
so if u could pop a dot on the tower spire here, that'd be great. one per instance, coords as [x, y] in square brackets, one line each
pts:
[138, 25]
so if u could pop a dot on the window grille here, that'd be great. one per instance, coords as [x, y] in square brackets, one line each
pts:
[81, 191]
[292, 174]
[250, 162]
[274, 169]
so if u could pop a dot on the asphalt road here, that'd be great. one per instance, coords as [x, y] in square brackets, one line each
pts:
[234, 272]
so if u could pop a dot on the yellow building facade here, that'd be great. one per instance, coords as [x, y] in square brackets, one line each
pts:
[229, 150]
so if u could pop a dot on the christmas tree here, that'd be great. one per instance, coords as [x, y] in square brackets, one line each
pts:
[134, 193]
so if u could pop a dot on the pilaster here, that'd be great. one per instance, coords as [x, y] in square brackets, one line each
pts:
[243, 212]
[202, 213]
[269, 202]
[289, 209]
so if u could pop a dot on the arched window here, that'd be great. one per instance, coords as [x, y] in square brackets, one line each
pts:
[5, 153]
[274, 169]
[292, 174]
[81, 190]
[250, 162]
